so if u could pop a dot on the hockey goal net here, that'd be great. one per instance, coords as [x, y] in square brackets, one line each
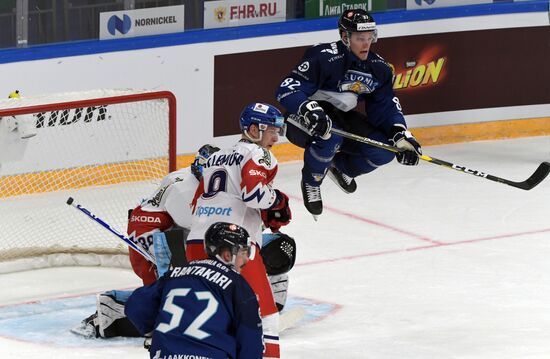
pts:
[107, 148]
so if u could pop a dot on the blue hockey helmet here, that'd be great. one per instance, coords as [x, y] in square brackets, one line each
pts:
[357, 20]
[263, 115]
[200, 159]
[223, 235]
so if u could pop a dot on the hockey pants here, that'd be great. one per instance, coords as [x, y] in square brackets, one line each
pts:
[350, 157]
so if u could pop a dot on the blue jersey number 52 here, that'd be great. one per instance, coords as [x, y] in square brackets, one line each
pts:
[193, 330]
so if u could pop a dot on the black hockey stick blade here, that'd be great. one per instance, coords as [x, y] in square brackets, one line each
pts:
[537, 177]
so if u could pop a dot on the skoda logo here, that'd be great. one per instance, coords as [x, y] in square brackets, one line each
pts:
[117, 24]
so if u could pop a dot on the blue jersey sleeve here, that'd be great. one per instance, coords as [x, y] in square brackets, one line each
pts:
[143, 305]
[302, 82]
[248, 331]
[382, 106]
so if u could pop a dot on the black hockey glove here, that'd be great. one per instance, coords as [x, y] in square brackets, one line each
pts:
[279, 215]
[314, 119]
[403, 139]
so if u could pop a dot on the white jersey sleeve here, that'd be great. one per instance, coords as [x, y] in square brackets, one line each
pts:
[257, 174]
[155, 202]
[178, 200]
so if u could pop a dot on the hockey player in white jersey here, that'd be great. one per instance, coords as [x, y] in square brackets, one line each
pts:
[167, 206]
[237, 186]
[164, 214]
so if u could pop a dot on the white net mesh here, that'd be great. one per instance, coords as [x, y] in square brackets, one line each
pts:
[106, 156]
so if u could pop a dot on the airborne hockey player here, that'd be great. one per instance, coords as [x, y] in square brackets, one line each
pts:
[322, 92]
[237, 187]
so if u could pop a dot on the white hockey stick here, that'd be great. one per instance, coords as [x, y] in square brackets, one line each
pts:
[105, 225]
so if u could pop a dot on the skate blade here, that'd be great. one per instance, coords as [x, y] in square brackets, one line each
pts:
[315, 217]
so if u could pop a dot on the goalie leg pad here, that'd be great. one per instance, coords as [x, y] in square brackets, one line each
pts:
[110, 315]
[279, 286]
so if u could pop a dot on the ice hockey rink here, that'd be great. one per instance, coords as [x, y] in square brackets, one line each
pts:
[421, 262]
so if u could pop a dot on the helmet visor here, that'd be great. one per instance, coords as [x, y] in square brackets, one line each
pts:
[278, 126]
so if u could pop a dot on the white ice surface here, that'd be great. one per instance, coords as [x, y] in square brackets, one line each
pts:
[421, 262]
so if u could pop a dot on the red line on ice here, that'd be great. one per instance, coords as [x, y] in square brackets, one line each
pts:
[420, 248]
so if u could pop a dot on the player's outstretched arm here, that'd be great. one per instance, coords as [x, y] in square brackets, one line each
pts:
[142, 306]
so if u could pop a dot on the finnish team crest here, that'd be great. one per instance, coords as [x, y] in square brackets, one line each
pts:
[358, 82]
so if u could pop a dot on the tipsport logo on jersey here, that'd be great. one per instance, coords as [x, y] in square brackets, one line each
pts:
[208, 211]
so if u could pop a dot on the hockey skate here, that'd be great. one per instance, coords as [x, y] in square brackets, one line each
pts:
[345, 182]
[312, 199]
[88, 328]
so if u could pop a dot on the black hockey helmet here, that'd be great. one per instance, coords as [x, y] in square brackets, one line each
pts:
[223, 235]
[357, 20]
[278, 253]
[200, 159]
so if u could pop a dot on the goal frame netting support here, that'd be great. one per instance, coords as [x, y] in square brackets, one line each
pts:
[55, 258]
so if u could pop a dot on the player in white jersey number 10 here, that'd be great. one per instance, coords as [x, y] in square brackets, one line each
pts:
[237, 187]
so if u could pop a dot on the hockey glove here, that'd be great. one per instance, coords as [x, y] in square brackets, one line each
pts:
[405, 141]
[279, 215]
[314, 119]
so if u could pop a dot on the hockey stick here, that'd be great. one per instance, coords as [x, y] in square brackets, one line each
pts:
[105, 225]
[537, 177]
[289, 318]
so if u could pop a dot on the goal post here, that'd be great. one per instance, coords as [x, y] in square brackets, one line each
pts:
[107, 148]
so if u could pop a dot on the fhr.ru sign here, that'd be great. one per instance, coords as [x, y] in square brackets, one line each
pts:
[141, 22]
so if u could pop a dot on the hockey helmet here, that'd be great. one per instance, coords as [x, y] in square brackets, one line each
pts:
[200, 159]
[278, 253]
[262, 115]
[357, 20]
[223, 235]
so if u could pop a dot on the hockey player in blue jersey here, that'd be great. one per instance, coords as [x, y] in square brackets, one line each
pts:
[322, 91]
[204, 309]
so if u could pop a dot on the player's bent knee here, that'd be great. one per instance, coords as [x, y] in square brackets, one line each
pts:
[381, 157]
